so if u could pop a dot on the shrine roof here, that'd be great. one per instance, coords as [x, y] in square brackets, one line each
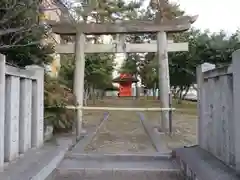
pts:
[125, 79]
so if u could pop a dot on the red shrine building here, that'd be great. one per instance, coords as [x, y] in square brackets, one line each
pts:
[125, 84]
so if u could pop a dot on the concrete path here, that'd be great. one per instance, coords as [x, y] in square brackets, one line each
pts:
[115, 165]
[119, 133]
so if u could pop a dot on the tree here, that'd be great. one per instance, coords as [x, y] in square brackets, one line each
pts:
[20, 33]
[215, 48]
[99, 67]
[203, 47]
[149, 72]
[145, 64]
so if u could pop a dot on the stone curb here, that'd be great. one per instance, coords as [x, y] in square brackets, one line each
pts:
[53, 164]
[87, 139]
[157, 142]
[197, 164]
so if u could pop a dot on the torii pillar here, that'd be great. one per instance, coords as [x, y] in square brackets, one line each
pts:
[125, 27]
[78, 86]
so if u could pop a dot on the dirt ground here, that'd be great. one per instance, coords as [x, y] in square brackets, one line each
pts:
[123, 131]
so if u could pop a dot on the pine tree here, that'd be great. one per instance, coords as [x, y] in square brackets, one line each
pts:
[99, 67]
[20, 33]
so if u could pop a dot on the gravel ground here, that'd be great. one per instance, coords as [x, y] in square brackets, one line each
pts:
[123, 132]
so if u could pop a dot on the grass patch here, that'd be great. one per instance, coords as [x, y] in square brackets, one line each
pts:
[186, 107]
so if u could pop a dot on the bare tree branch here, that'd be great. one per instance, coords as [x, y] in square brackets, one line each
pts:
[10, 30]
[19, 45]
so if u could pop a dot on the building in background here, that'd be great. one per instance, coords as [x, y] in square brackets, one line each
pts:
[53, 10]
[125, 82]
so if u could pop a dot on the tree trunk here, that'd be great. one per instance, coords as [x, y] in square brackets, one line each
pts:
[175, 95]
[86, 96]
[102, 94]
[97, 94]
[137, 92]
[154, 91]
[184, 95]
[93, 95]
[181, 95]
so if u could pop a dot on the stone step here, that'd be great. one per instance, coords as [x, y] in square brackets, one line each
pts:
[37, 163]
[117, 167]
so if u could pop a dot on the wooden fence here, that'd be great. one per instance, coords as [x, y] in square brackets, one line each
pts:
[219, 111]
[21, 110]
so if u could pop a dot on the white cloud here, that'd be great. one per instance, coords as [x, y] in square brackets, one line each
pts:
[213, 14]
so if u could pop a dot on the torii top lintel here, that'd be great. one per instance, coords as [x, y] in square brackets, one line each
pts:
[124, 27]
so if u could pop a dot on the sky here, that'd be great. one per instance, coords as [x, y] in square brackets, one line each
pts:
[214, 15]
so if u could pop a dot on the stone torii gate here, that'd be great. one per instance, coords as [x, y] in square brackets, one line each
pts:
[124, 27]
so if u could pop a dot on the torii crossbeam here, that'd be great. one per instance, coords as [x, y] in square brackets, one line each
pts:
[162, 47]
[120, 48]
[122, 27]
